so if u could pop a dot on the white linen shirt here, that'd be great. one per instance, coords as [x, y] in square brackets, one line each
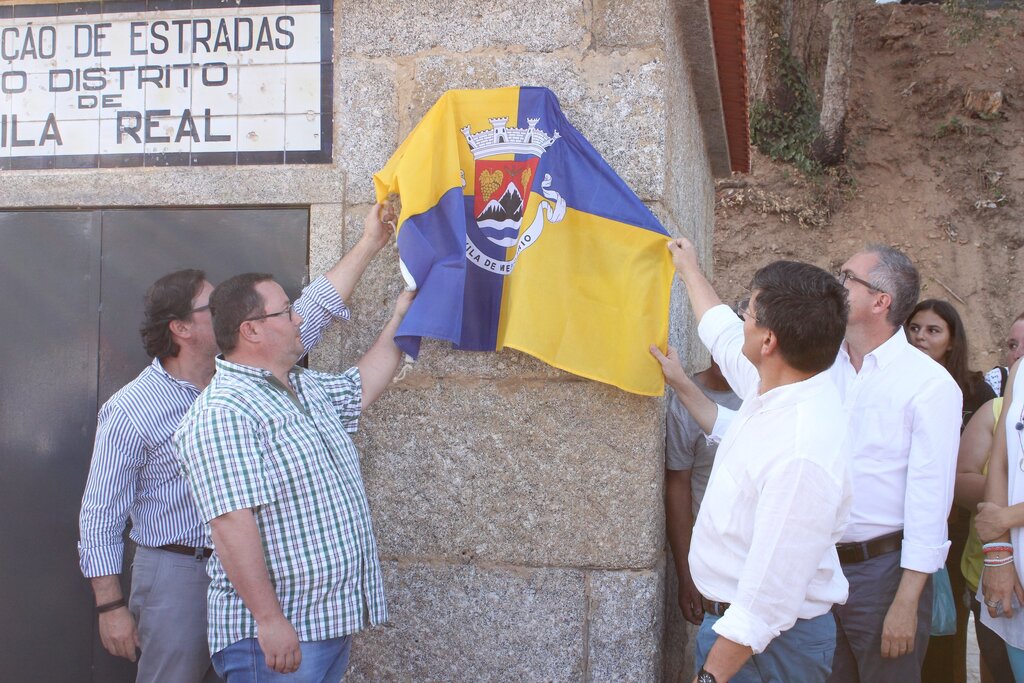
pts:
[777, 501]
[904, 413]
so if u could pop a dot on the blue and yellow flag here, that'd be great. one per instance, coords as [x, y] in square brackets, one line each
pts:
[517, 233]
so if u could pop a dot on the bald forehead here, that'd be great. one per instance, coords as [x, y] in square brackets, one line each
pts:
[861, 262]
[273, 295]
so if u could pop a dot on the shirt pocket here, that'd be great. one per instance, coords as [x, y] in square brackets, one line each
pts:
[726, 499]
[882, 433]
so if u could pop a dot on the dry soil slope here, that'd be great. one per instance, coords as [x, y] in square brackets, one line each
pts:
[920, 166]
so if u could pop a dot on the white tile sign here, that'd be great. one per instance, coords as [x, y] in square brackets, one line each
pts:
[170, 82]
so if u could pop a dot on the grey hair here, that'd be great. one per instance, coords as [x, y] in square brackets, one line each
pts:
[897, 277]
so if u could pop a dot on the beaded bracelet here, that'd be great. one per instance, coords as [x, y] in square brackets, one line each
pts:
[996, 547]
[1001, 562]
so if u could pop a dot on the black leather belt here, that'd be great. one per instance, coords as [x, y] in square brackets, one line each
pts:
[713, 608]
[851, 553]
[195, 552]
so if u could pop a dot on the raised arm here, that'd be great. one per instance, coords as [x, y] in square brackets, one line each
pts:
[346, 273]
[377, 366]
[702, 408]
[702, 295]
[722, 333]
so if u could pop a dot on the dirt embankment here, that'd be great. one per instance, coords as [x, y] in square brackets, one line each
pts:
[924, 174]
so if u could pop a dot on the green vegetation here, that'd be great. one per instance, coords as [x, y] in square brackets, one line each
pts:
[952, 127]
[785, 130]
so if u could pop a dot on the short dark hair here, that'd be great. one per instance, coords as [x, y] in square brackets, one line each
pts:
[896, 275]
[169, 298]
[806, 309]
[231, 303]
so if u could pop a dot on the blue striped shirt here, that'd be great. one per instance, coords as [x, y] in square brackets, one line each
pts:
[135, 472]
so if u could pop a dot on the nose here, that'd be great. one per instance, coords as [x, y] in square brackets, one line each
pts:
[1016, 353]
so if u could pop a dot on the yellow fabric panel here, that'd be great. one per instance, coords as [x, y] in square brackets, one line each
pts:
[421, 172]
[575, 300]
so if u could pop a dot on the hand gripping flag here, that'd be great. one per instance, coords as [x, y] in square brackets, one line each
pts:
[516, 233]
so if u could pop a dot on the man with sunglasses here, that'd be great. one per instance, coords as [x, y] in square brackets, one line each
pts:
[268, 453]
[134, 472]
[903, 411]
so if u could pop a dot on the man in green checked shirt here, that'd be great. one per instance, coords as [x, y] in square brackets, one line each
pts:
[267, 452]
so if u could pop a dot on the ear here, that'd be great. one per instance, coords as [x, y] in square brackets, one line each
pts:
[180, 328]
[250, 332]
[883, 302]
[769, 343]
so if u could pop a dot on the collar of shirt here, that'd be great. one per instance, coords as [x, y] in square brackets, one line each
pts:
[790, 394]
[883, 354]
[159, 367]
[250, 371]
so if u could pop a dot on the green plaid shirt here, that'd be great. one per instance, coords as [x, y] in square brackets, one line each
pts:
[247, 442]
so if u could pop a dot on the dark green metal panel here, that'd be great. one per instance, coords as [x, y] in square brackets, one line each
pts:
[71, 291]
[49, 302]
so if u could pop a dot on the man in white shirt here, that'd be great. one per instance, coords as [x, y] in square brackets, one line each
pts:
[763, 554]
[904, 417]
[904, 431]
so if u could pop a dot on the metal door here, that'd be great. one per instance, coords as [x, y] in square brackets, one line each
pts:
[72, 289]
[49, 280]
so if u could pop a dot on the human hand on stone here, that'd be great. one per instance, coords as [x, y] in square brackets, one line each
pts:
[684, 256]
[671, 366]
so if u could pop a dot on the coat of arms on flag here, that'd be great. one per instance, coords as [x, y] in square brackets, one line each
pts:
[517, 233]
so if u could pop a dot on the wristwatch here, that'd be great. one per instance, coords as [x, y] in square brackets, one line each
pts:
[704, 677]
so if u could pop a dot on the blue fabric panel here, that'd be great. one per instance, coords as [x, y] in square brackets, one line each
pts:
[433, 250]
[578, 172]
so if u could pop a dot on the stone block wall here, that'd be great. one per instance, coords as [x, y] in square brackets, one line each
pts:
[518, 508]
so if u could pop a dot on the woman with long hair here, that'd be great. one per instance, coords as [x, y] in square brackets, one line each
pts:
[935, 328]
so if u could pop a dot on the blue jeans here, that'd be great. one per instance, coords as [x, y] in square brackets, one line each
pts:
[1016, 662]
[803, 654]
[323, 661]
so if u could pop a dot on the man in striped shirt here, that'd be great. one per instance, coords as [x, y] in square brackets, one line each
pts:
[134, 472]
[268, 453]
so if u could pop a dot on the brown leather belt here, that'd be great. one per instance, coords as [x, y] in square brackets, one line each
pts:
[851, 553]
[713, 608]
[187, 550]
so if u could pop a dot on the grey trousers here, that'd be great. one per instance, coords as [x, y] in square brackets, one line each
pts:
[858, 657]
[168, 602]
